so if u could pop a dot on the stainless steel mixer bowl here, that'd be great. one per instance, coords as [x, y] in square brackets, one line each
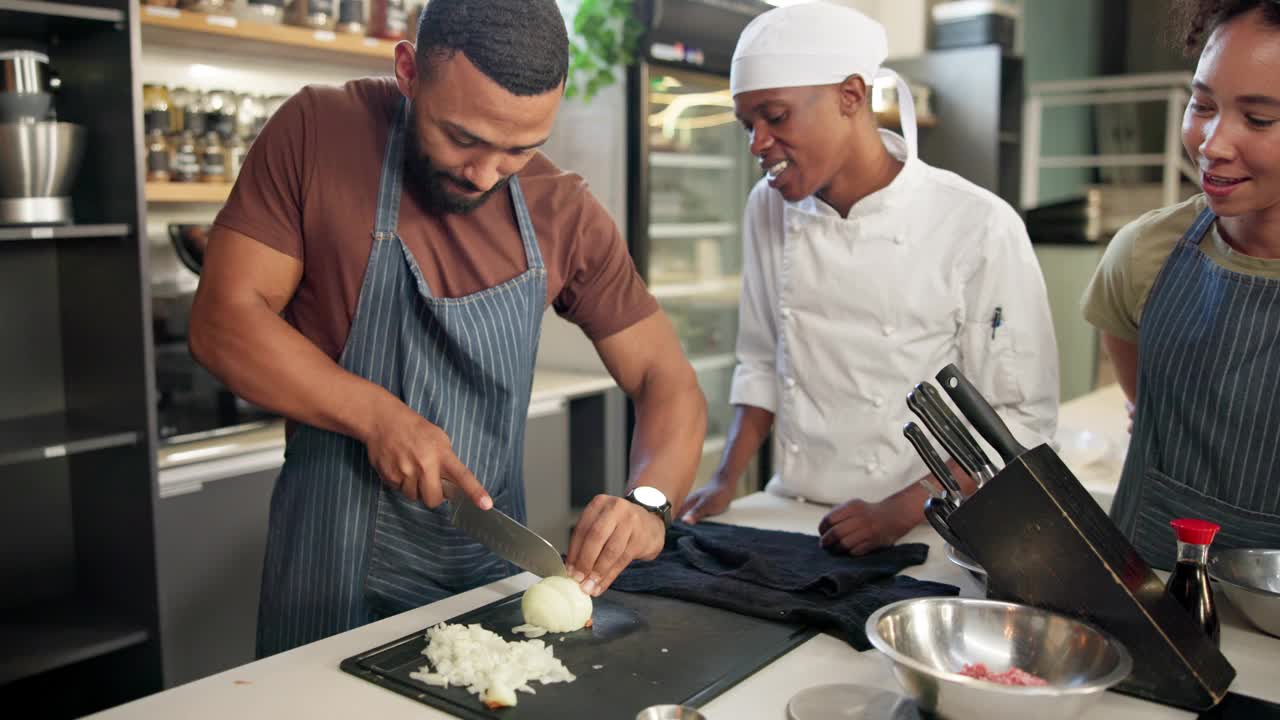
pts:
[40, 159]
[930, 640]
[1251, 580]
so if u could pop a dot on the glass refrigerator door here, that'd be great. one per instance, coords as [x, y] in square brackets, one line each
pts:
[700, 172]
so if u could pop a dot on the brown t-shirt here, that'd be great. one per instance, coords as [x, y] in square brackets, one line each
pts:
[309, 187]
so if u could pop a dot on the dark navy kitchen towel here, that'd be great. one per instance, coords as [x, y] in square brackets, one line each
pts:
[779, 575]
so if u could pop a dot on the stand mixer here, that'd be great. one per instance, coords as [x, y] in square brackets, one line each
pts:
[41, 156]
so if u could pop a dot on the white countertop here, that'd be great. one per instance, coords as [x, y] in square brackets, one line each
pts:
[307, 683]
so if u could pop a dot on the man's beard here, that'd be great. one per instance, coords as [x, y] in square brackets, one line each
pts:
[428, 184]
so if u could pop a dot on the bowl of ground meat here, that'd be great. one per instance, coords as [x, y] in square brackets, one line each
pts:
[964, 658]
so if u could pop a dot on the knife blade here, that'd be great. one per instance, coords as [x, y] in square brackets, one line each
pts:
[979, 465]
[506, 537]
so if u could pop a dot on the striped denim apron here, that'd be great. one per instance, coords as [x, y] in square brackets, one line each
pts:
[343, 548]
[1205, 439]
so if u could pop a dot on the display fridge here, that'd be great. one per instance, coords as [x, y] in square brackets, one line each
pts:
[689, 174]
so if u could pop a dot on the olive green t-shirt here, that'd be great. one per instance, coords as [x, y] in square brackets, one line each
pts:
[1116, 295]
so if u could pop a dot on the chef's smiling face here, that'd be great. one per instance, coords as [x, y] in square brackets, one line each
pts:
[793, 131]
[1231, 127]
[468, 134]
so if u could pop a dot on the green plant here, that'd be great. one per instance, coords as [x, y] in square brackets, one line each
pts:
[605, 33]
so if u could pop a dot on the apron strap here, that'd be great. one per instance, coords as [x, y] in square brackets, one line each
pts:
[388, 213]
[532, 253]
[1199, 228]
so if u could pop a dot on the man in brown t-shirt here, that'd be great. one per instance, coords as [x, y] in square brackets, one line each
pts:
[380, 334]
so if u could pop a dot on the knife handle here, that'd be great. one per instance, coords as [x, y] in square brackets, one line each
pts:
[979, 412]
[951, 442]
[931, 459]
[976, 454]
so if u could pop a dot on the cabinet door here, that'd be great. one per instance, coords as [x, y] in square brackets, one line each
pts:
[210, 544]
[546, 474]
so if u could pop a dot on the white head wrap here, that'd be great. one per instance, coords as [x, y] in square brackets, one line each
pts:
[816, 43]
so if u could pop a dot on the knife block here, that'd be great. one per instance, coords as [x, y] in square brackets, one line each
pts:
[1044, 541]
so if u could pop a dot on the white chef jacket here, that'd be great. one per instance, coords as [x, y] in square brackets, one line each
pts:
[841, 317]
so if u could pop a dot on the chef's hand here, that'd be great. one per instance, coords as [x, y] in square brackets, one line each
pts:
[414, 456]
[612, 532]
[859, 527]
[1131, 408]
[712, 499]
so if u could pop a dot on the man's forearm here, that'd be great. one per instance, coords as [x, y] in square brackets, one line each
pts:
[671, 425]
[750, 427]
[264, 360]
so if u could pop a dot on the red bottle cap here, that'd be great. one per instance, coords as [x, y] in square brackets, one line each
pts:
[1196, 532]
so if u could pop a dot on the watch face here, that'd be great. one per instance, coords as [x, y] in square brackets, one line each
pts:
[649, 496]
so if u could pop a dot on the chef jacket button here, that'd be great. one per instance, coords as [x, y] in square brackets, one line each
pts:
[878, 402]
[794, 448]
[888, 330]
[793, 226]
[872, 467]
[790, 382]
[785, 312]
[898, 239]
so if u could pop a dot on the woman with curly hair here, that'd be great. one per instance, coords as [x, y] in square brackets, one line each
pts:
[1188, 302]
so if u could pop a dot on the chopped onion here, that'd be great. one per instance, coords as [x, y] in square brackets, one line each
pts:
[557, 604]
[487, 665]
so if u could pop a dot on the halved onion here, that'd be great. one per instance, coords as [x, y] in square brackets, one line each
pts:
[557, 604]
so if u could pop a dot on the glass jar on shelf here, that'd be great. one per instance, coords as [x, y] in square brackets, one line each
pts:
[220, 113]
[213, 160]
[159, 156]
[155, 108]
[351, 17]
[234, 150]
[270, 12]
[314, 14]
[161, 3]
[388, 20]
[186, 158]
[211, 7]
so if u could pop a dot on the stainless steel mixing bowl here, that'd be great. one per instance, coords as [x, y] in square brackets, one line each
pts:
[40, 159]
[1251, 580]
[930, 640]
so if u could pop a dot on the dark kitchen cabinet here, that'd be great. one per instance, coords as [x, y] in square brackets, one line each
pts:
[79, 629]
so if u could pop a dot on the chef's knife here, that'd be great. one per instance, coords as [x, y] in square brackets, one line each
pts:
[979, 465]
[932, 461]
[502, 534]
[979, 412]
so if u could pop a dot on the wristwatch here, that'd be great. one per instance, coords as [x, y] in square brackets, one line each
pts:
[652, 499]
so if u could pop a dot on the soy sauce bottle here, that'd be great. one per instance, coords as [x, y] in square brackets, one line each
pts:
[1189, 583]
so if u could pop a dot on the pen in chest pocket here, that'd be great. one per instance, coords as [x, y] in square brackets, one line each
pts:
[997, 319]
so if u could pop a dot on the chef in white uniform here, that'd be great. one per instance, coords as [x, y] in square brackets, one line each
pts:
[866, 271]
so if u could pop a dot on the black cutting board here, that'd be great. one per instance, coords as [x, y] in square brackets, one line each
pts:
[653, 650]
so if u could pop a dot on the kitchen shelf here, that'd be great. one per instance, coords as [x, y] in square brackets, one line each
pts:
[188, 192]
[59, 232]
[55, 435]
[62, 10]
[728, 286]
[50, 635]
[170, 26]
[680, 231]
[690, 161]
